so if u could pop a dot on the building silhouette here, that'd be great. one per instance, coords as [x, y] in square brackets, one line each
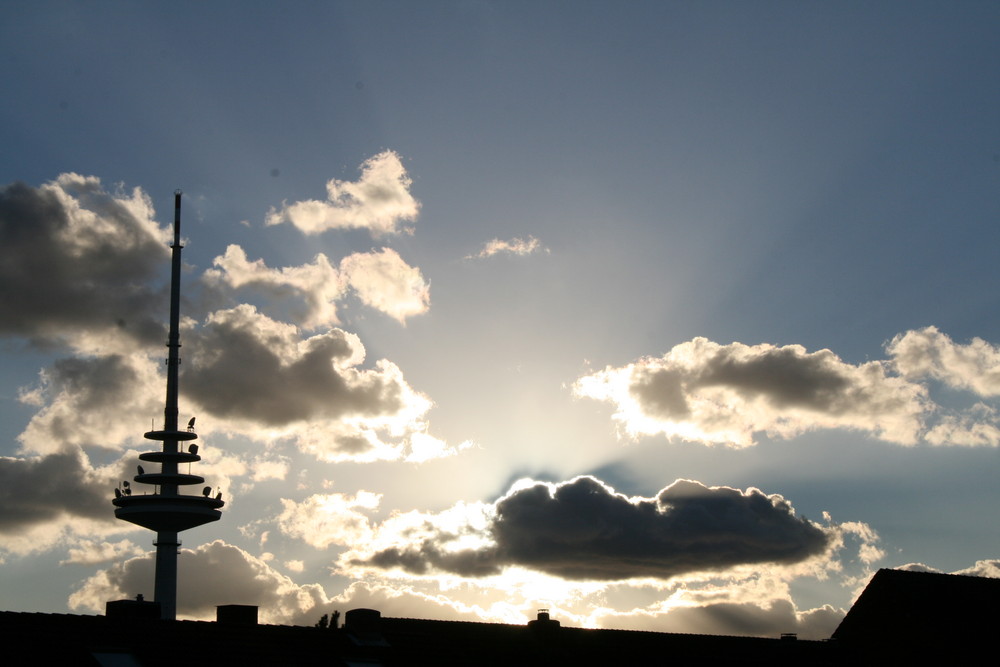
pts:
[901, 618]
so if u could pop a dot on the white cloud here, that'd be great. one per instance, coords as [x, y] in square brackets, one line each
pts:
[92, 552]
[318, 284]
[983, 568]
[384, 281]
[515, 246]
[60, 532]
[917, 567]
[264, 469]
[726, 394]
[379, 202]
[977, 426]
[381, 279]
[929, 353]
[322, 520]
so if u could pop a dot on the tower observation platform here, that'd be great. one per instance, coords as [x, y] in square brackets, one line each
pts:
[166, 510]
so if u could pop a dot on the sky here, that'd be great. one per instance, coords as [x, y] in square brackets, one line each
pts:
[673, 316]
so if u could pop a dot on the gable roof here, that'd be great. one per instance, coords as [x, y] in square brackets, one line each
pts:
[904, 612]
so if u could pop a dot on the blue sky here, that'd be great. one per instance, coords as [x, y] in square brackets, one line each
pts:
[746, 245]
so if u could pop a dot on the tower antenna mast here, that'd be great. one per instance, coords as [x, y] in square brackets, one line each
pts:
[167, 511]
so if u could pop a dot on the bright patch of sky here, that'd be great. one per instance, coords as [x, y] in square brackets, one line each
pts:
[662, 315]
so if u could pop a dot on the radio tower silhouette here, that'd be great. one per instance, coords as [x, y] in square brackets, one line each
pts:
[165, 510]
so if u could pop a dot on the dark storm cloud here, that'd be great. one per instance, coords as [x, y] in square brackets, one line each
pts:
[583, 530]
[76, 257]
[248, 366]
[34, 491]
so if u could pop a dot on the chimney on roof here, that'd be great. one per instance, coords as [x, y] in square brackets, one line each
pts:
[137, 608]
[362, 620]
[236, 614]
[543, 621]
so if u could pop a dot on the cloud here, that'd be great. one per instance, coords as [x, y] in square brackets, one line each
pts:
[379, 201]
[751, 601]
[322, 520]
[583, 530]
[210, 575]
[92, 552]
[382, 280]
[254, 376]
[264, 469]
[385, 282]
[248, 366]
[318, 284]
[917, 567]
[98, 252]
[515, 246]
[249, 372]
[82, 398]
[39, 490]
[411, 600]
[57, 500]
[974, 427]
[929, 353]
[768, 619]
[983, 568]
[726, 394]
